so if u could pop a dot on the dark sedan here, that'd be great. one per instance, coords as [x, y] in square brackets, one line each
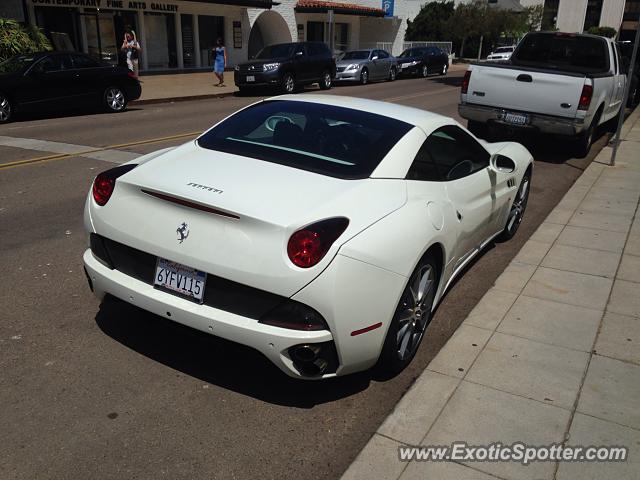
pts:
[423, 61]
[57, 80]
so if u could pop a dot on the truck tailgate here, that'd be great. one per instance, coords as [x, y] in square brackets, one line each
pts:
[524, 90]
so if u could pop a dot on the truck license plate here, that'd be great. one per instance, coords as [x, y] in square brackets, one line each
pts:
[515, 118]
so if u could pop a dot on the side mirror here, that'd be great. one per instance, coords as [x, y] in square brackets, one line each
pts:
[375, 57]
[502, 164]
[299, 54]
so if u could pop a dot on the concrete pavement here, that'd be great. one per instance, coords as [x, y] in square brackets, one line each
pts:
[551, 354]
[190, 86]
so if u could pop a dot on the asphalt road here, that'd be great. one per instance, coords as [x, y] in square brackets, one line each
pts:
[109, 391]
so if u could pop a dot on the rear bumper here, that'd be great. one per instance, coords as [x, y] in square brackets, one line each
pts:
[342, 294]
[133, 91]
[542, 123]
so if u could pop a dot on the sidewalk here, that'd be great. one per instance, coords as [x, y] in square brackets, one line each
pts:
[194, 86]
[551, 354]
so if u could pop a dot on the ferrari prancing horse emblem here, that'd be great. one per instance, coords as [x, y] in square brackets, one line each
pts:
[183, 232]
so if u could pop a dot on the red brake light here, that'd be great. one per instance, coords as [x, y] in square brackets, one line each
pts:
[132, 75]
[465, 81]
[105, 182]
[309, 245]
[585, 97]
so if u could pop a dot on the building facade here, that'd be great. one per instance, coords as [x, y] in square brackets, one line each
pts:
[180, 34]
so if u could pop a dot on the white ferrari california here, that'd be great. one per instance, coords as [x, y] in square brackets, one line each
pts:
[320, 230]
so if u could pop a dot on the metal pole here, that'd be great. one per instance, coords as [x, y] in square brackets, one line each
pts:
[98, 32]
[625, 98]
[331, 30]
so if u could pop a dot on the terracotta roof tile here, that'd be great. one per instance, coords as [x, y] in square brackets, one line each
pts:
[338, 6]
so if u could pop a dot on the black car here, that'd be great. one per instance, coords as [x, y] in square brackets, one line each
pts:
[288, 66]
[423, 61]
[56, 80]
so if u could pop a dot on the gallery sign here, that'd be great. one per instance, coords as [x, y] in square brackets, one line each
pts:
[112, 4]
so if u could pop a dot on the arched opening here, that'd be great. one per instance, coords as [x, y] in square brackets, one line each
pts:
[269, 28]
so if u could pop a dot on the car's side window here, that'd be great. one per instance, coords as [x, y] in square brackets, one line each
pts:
[80, 61]
[300, 49]
[447, 154]
[53, 63]
[382, 54]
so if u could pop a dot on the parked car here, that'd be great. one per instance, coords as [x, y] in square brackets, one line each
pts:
[366, 65]
[423, 61]
[58, 80]
[288, 66]
[319, 230]
[501, 54]
[565, 84]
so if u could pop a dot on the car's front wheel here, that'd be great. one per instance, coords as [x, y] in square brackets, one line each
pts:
[518, 207]
[6, 109]
[325, 83]
[392, 74]
[364, 76]
[114, 99]
[411, 318]
[445, 67]
[288, 83]
[424, 72]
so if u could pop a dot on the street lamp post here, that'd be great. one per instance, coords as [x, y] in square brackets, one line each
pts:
[625, 97]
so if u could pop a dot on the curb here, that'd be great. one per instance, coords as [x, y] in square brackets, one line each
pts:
[152, 101]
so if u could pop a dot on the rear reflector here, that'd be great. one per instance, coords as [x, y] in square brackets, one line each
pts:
[465, 82]
[585, 97]
[187, 203]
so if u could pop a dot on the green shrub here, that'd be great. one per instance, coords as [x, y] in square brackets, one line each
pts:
[603, 31]
[16, 38]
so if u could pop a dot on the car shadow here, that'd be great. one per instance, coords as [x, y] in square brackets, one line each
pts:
[217, 361]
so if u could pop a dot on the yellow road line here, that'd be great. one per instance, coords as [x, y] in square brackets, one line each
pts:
[61, 156]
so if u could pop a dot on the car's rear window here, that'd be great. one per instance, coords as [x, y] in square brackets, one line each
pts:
[335, 141]
[574, 53]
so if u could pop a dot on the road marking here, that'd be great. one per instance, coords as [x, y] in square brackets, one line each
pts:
[68, 150]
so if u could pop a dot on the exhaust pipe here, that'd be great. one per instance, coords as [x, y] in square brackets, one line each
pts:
[306, 353]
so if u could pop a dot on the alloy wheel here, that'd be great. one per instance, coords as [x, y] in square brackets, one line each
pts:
[444, 69]
[392, 74]
[425, 71]
[364, 76]
[516, 214]
[289, 83]
[115, 99]
[326, 80]
[415, 311]
[5, 109]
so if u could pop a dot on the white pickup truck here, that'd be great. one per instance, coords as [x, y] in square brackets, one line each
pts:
[556, 83]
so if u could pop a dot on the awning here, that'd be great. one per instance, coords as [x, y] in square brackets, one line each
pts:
[241, 3]
[319, 6]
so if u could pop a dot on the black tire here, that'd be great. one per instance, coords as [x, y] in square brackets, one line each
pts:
[6, 109]
[393, 74]
[424, 71]
[412, 321]
[288, 83]
[114, 99]
[585, 139]
[364, 76]
[325, 82]
[518, 207]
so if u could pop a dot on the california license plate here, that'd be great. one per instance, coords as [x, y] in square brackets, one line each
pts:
[515, 118]
[251, 78]
[185, 281]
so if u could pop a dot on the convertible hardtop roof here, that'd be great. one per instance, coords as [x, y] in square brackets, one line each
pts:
[427, 121]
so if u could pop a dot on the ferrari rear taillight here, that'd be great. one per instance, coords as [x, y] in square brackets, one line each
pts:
[310, 244]
[465, 81]
[105, 183]
[585, 97]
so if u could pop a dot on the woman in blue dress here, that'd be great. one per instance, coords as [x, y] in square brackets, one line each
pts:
[219, 62]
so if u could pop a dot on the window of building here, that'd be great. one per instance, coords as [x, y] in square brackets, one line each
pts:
[160, 32]
[188, 47]
[550, 14]
[592, 17]
[210, 29]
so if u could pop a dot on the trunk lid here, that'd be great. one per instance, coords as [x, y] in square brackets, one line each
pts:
[536, 92]
[270, 202]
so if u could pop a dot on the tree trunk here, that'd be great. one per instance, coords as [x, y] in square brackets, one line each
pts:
[480, 47]
[462, 47]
